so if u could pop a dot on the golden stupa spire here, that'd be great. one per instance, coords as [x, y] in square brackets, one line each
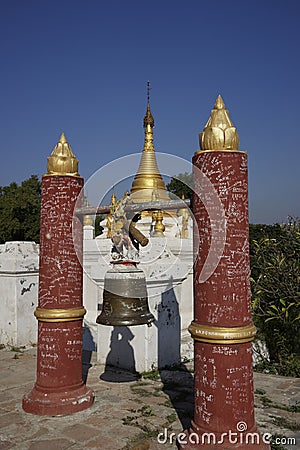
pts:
[62, 160]
[148, 182]
[219, 132]
[148, 124]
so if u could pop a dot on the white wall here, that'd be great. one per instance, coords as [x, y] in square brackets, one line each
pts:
[19, 292]
[168, 268]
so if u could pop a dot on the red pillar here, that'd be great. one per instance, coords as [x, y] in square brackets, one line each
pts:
[222, 328]
[59, 388]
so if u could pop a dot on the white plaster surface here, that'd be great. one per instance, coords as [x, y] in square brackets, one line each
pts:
[19, 292]
[167, 264]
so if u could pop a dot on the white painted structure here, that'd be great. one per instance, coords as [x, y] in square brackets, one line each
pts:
[19, 266]
[167, 263]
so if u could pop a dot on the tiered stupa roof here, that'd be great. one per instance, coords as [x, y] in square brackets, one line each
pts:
[148, 184]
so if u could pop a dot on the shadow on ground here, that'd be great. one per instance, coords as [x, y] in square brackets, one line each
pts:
[178, 384]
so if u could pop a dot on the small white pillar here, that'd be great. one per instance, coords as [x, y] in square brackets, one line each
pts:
[88, 232]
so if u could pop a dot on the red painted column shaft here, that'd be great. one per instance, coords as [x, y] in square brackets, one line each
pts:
[222, 327]
[224, 298]
[59, 388]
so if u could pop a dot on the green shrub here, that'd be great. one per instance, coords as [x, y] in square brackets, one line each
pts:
[275, 279]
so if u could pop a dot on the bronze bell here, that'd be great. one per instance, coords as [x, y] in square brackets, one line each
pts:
[125, 297]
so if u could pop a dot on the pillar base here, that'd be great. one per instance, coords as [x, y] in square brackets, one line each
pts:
[209, 440]
[46, 402]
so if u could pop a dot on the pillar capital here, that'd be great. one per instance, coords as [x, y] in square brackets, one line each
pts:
[62, 160]
[219, 132]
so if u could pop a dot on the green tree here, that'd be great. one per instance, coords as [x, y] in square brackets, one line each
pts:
[181, 185]
[275, 275]
[20, 211]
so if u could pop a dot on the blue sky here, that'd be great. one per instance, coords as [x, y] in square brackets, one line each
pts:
[81, 67]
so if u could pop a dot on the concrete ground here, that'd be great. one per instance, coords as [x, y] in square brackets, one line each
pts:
[128, 413]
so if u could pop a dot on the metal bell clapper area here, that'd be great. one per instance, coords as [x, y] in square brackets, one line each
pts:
[125, 299]
[125, 296]
[125, 291]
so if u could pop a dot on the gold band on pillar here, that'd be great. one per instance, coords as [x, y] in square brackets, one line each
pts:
[222, 335]
[59, 315]
[197, 152]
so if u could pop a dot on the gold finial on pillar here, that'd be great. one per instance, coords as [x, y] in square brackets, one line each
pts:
[184, 213]
[62, 160]
[219, 132]
[87, 220]
[181, 210]
[159, 227]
